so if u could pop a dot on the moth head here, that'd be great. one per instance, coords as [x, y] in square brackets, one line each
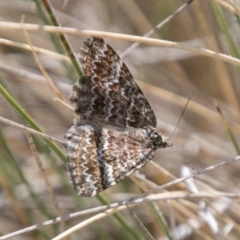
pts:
[157, 140]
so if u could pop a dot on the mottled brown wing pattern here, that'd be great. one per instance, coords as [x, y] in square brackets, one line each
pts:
[100, 158]
[114, 130]
[107, 90]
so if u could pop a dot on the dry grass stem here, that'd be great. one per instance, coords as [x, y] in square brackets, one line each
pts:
[146, 40]
[198, 46]
[36, 49]
[32, 131]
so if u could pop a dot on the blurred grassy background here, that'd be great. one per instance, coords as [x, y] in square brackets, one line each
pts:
[166, 77]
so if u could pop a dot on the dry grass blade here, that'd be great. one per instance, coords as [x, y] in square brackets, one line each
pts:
[229, 6]
[44, 73]
[140, 225]
[36, 49]
[45, 177]
[146, 40]
[228, 128]
[198, 45]
[42, 135]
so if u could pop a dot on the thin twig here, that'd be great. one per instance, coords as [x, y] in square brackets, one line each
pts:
[45, 178]
[30, 130]
[199, 172]
[119, 206]
[153, 30]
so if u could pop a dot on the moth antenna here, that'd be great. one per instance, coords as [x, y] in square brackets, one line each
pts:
[193, 89]
[187, 160]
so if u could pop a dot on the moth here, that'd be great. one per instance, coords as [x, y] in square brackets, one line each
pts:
[114, 131]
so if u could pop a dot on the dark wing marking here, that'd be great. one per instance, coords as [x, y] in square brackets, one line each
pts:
[107, 90]
[100, 158]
